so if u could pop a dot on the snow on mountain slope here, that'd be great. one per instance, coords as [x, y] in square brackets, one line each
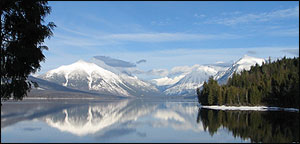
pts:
[100, 77]
[244, 63]
[87, 76]
[47, 85]
[175, 74]
[167, 81]
[188, 84]
[194, 79]
[139, 87]
[134, 85]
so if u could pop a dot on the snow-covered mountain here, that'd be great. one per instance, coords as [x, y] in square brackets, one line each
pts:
[187, 85]
[166, 80]
[194, 77]
[244, 63]
[116, 77]
[137, 87]
[47, 85]
[87, 76]
[175, 75]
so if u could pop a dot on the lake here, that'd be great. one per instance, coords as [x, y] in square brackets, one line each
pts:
[140, 120]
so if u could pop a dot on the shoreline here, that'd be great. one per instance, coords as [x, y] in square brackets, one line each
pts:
[249, 108]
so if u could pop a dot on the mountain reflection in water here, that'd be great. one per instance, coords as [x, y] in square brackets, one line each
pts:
[140, 120]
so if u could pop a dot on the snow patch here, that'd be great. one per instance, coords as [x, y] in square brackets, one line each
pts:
[39, 88]
[244, 63]
[167, 81]
[191, 81]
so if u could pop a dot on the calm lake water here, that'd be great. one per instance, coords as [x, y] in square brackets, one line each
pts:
[140, 121]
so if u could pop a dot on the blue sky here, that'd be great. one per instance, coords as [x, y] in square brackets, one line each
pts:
[168, 34]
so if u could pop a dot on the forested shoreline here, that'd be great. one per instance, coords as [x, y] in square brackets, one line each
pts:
[271, 84]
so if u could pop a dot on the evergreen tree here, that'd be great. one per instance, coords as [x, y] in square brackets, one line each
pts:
[273, 83]
[22, 36]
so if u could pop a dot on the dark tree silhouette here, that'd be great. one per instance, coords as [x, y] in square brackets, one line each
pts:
[259, 127]
[22, 36]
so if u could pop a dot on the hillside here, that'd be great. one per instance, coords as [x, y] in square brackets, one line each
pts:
[272, 84]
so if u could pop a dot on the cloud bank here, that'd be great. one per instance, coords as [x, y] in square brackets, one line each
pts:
[141, 61]
[114, 62]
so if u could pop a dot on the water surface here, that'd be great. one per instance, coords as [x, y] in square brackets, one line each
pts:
[140, 121]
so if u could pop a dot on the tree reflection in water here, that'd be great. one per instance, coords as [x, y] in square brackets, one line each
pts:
[275, 127]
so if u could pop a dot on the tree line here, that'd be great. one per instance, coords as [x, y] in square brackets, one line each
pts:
[260, 127]
[271, 84]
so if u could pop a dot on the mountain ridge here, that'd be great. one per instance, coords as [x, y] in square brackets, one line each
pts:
[89, 76]
[243, 63]
[97, 76]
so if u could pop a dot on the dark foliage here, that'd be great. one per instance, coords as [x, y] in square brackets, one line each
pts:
[272, 84]
[265, 127]
[22, 37]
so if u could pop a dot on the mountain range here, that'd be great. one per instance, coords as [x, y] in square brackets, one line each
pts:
[108, 76]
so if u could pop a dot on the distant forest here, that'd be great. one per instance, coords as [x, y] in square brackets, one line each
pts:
[271, 84]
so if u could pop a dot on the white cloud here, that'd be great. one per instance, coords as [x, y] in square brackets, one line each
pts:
[220, 62]
[285, 32]
[259, 17]
[180, 59]
[74, 31]
[160, 72]
[159, 23]
[168, 59]
[231, 13]
[83, 42]
[141, 61]
[199, 15]
[251, 52]
[183, 69]
[78, 38]
[166, 37]
[162, 22]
